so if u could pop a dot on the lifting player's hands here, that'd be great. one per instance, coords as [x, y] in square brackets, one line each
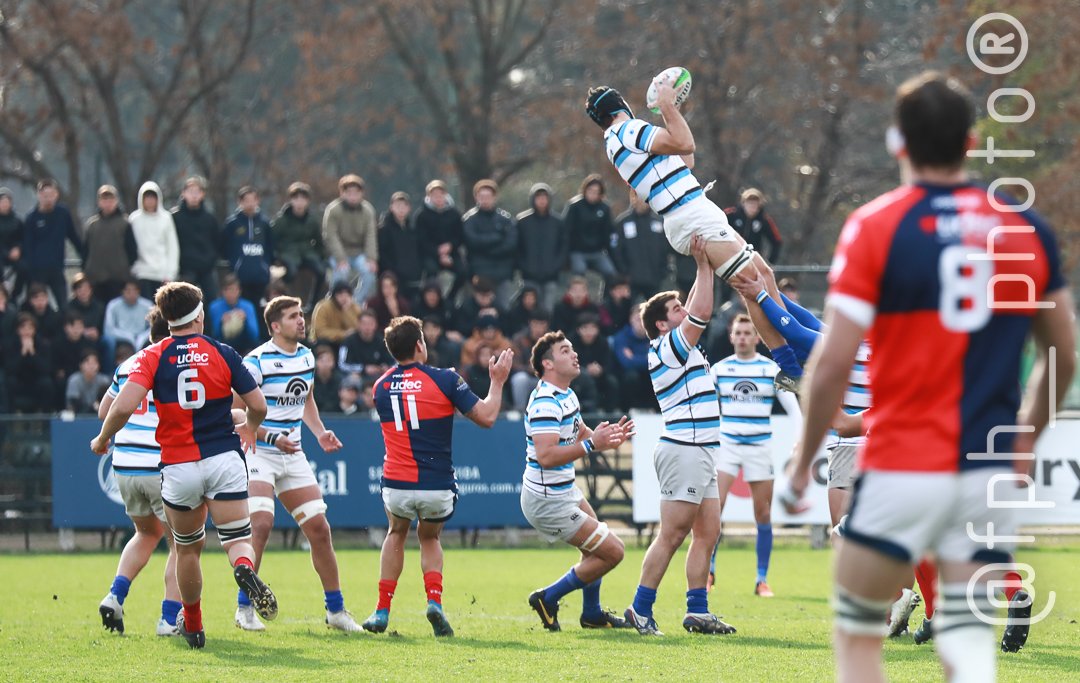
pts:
[329, 442]
[99, 445]
[499, 368]
[697, 250]
[607, 435]
[748, 286]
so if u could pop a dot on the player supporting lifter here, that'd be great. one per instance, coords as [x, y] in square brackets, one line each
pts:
[556, 436]
[746, 387]
[656, 163]
[948, 282]
[193, 377]
[416, 404]
[285, 371]
[685, 457]
[136, 463]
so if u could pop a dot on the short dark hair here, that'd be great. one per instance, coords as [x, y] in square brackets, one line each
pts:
[159, 326]
[654, 310]
[177, 299]
[47, 182]
[276, 307]
[71, 317]
[542, 350]
[367, 313]
[245, 191]
[401, 337]
[321, 349]
[86, 353]
[79, 280]
[36, 288]
[24, 318]
[935, 114]
[593, 179]
[482, 284]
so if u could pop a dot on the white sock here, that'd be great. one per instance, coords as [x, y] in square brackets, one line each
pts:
[964, 643]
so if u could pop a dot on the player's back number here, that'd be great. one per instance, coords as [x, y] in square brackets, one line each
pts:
[190, 392]
[964, 302]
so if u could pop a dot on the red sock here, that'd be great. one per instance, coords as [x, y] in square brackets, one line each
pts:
[193, 617]
[433, 586]
[926, 575]
[386, 594]
[1013, 583]
[246, 561]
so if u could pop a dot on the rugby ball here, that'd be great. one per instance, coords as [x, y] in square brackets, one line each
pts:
[680, 83]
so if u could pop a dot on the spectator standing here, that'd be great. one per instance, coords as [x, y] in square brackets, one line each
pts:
[46, 230]
[756, 227]
[442, 235]
[641, 248]
[232, 319]
[199, 235]
[125, 318]
[249, 246]
[86, 387]
[491, 239]
[573, 304]
[630, 346]
[350, 236]
[327, 380]
[11, 234]
[399, 246]
[89, 308]
[543, 246]
[389, 302]
[158, 259]
[588, 222]
[335, 316]
[363, 352]
[299, 245]
[111, 248]
[28, 369]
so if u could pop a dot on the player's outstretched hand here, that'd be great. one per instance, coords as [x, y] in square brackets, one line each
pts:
[247, 437]
[98, 445]
[792, 496]
[329, 442]
[627, 426]
[499, 368]
[748, 286]
[607, 435]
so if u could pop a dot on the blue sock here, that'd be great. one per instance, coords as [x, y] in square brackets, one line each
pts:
[764, 549]
[697, 601]
[590, 600]
[334, 601]
[169, 610]
[643, 601]
[242, 598]
[569, 582]
[785, 358]
[120, 586]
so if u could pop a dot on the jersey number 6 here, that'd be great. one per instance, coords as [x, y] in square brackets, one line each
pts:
[190, 392]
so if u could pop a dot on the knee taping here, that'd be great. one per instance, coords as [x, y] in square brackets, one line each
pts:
[965, 643]
[305, 512]
[234, 531]
[859, 616]
[736, 263]
[956, 610]
[189, 539]
[594, 540]
[260, 504]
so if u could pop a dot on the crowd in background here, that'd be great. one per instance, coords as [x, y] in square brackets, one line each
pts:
[481, 280]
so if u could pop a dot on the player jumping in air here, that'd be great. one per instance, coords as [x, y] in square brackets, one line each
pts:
[946, 282]
[193, 377]
[285, 371]
[555, 437]
[416, 404]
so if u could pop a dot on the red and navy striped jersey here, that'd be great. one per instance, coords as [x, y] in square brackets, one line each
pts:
[947, 280]
[416, 405]
[192, 378]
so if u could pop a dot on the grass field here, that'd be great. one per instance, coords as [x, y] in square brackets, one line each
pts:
[50, 630]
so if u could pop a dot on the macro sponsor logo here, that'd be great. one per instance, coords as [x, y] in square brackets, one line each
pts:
[296, 393]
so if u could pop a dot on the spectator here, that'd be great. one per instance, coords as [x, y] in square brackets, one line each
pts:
[641, 248]
[543, 245]
[363, 352]
[366, 398]
[327, 380]
[249, 246]
[491, 239]
[8, 316]
[487, 333]
[49, 322]
[335, 316]
[158, 259]
[631, 349]
[232, 319]
[68, 350]
[86, 387]
[442, 351]
[522, 376]
[28, 369]
[573, 304]
[388, 303]
[756, 227]
[789, 287]
[464, 319]
[46, 228]
[89, 308]
[111, 248]
[517, 319]
[199, 236]
[125, 318]
[441, 233]
[11, 234]
[432, 305]
[588, 222]
[615, 311]
[348, 393]
[596, 385]
[476, 373]
[399, 246]
[298, 242]
[122, 352]
[350, 236]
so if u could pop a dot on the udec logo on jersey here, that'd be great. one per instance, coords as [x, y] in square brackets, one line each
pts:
[296, 393]
[404, 385]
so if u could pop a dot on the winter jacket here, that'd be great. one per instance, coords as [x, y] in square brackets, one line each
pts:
[330, 323]
[469, 349]
[437, 227]
[350, 231]
[543, 243]
[399, 250]
[589, 225]
[641, 249]
[249, 247]
[11, 235]
[105, 262]
[756, 231]
[624, 340]
[155, 234]
[43, 239]
[491, 238]
[198, 233]
[298, 238]
[566, 314]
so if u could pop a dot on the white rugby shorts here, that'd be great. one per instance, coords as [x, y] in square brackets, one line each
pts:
[755, 459]
[185, 485]
[283, 471]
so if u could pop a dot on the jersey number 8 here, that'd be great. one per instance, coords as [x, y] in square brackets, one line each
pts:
[190, 392]
[964, 303]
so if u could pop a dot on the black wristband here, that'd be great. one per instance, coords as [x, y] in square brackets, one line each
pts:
[272, 437]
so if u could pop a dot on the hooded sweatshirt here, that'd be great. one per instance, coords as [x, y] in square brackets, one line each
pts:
[542, 240]
[249, 247]
[155, 236]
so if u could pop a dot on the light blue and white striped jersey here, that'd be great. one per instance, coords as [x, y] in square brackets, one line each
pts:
[663, 180]
[286, 380]
[747, 393]
[685, 390]
[856, 396]
[135, 447]
[551, 410]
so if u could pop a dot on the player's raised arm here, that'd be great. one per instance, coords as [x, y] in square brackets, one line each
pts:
[699, 302]
[486, 410]
[550, 454]
[676, 138]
